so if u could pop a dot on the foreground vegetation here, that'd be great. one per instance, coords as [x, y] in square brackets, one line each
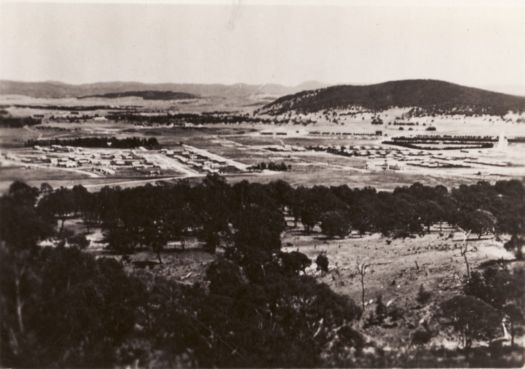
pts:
[63, 307]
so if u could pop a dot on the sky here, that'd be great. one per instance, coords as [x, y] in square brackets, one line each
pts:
[476, 43]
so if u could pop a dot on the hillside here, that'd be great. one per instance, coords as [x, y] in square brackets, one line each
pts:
[146, 95]
[52, 89]
[431, 96]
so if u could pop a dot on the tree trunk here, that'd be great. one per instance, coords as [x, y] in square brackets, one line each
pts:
[159, 256]
[467, 264]
[363, 292]
[464, 254]
[19, 306]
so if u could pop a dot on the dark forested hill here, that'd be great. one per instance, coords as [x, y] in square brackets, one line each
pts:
[146, 95]
[430, 95]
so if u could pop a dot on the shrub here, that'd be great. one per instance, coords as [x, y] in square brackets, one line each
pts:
[423, 296]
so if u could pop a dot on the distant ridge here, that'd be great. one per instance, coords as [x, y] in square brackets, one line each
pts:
[432, 96]
[52, 89]
[146, 95]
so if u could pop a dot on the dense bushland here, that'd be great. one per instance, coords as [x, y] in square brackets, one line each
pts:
[63, 307]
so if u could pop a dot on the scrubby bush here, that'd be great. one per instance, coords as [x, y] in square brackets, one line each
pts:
[423, 296]
[322, 262]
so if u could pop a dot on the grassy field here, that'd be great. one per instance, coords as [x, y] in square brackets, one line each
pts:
[397, 270]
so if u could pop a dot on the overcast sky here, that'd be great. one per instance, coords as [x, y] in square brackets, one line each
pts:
[346, 42]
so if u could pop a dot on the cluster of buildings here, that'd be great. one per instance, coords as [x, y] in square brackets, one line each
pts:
[200, 160]
[284, 148]
[107, 162]
[104, 162]
[339, 134]
[369, 151]
[386, 158]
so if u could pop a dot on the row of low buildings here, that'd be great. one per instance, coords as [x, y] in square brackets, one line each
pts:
[347, 134]
[371, 151]
[198, 161]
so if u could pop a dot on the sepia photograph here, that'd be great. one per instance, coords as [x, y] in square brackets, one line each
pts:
[262, 184]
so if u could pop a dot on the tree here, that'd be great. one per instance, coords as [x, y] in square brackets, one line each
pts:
[60, 203]
[363, 213]
[423, 296]
[309, 217]
[422, 335]
[512, 221]
[515, 316]
[214, 201]
[503, 289]
[281, 320]
[478, 221]
[335, 223]
[381, 309]
[155, 236]
[322, 263]
[67, 309]
[431, 212]
[515, 244]
[282, 192]
[120, 240]
[294, 262]
[464, 250]
[258, 228]
[472, 318]
[22, 193]
[361, 268]
[21, 228]
[45, 188]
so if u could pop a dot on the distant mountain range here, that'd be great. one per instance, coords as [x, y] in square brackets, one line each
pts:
[146, 95]
[431, 96]
[53, 89]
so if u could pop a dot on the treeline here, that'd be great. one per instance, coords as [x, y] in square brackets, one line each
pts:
[18, 122]
[472, 110]
[445, 138]
[67, 107]
[191, 118]
[452, 145]
[146, 95]
[281, 167]
[112, 142]
[211, 210]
